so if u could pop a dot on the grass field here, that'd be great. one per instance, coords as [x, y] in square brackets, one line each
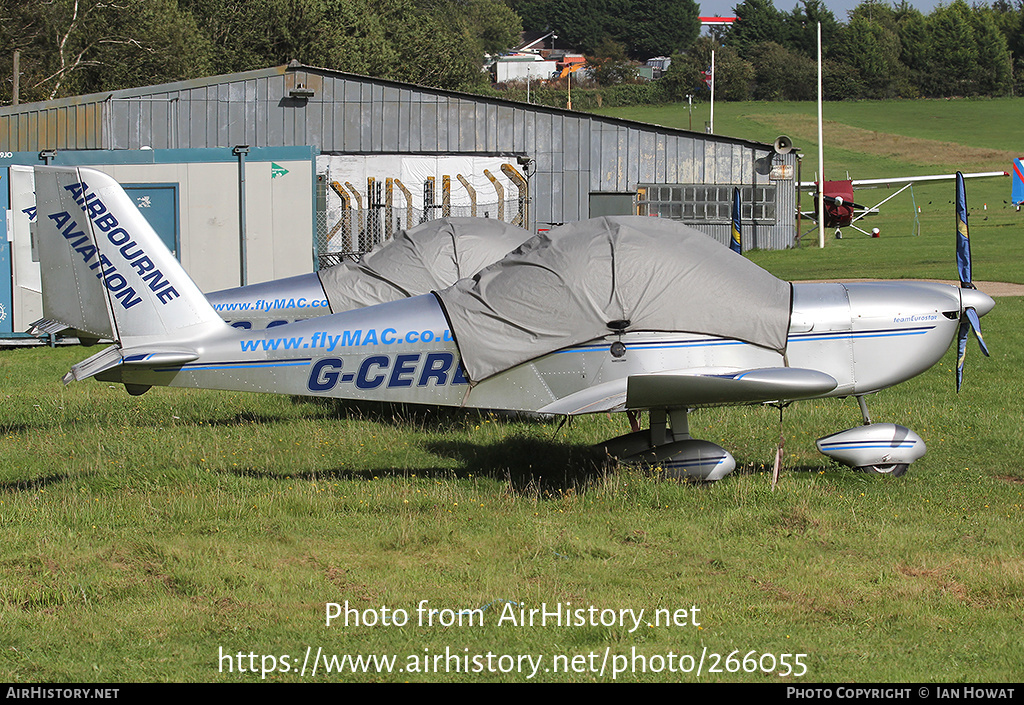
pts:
[198, 536]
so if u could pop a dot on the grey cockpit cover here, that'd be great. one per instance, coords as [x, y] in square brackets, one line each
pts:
[564, 287]
[430, 256]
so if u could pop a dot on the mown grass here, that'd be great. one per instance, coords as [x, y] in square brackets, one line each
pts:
[145, 537]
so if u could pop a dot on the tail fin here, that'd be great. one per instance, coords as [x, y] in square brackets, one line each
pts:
[1017, 190]
[104, 270]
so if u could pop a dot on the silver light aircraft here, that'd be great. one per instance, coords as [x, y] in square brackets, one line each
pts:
[613, 314]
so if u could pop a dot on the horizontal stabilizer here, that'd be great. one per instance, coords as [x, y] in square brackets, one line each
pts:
[100, 362]
[153, 358]
[46, 326]
[140, 357]
[700, 387]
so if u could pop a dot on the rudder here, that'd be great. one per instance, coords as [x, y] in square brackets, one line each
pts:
[104, 270]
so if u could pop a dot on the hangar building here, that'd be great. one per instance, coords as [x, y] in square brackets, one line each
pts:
[269, 173]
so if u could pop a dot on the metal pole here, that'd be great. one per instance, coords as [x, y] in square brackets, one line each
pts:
[712, 130]
[17, 76]
[240, 151]
[821, 157]
[799, 177]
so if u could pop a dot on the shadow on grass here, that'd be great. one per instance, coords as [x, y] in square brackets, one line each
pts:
[16, 429]
[243, 418]
[422, 415]
[31, 485]
[526, 464]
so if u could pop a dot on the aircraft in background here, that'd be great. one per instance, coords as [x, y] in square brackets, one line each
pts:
[590, 317]
[842, 212]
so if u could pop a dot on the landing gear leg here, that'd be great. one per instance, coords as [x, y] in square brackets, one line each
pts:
[680, 420]
[659, 427]
[864, 410]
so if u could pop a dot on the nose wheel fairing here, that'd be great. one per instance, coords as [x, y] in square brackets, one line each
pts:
[880, 448]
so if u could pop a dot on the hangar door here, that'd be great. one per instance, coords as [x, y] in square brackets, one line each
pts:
[159, 204]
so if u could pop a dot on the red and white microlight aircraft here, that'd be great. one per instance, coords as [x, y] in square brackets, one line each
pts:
[842, 212]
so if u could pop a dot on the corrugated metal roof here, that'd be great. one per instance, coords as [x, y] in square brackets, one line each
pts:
[230, 109]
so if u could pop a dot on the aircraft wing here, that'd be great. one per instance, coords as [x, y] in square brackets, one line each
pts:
[901, 180]
[696, 387]
[702, 387]
[46, 326]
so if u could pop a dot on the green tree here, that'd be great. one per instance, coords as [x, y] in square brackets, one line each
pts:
[495, 26]
[783, 74]
[733, 74]
[661, 27]
[840, 81]
[645, 28]
[871, 45]
[757, 22]
[800, 29]
[954, 64]
[432, 42]
[256, 34]
[995, 69]
[610, 66]
[915, 47]
[1009, 18]
[584, 24]
[535, 14]
[71, 47]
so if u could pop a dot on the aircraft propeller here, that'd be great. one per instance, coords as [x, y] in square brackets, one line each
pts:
[839, 201]
[969, 320]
